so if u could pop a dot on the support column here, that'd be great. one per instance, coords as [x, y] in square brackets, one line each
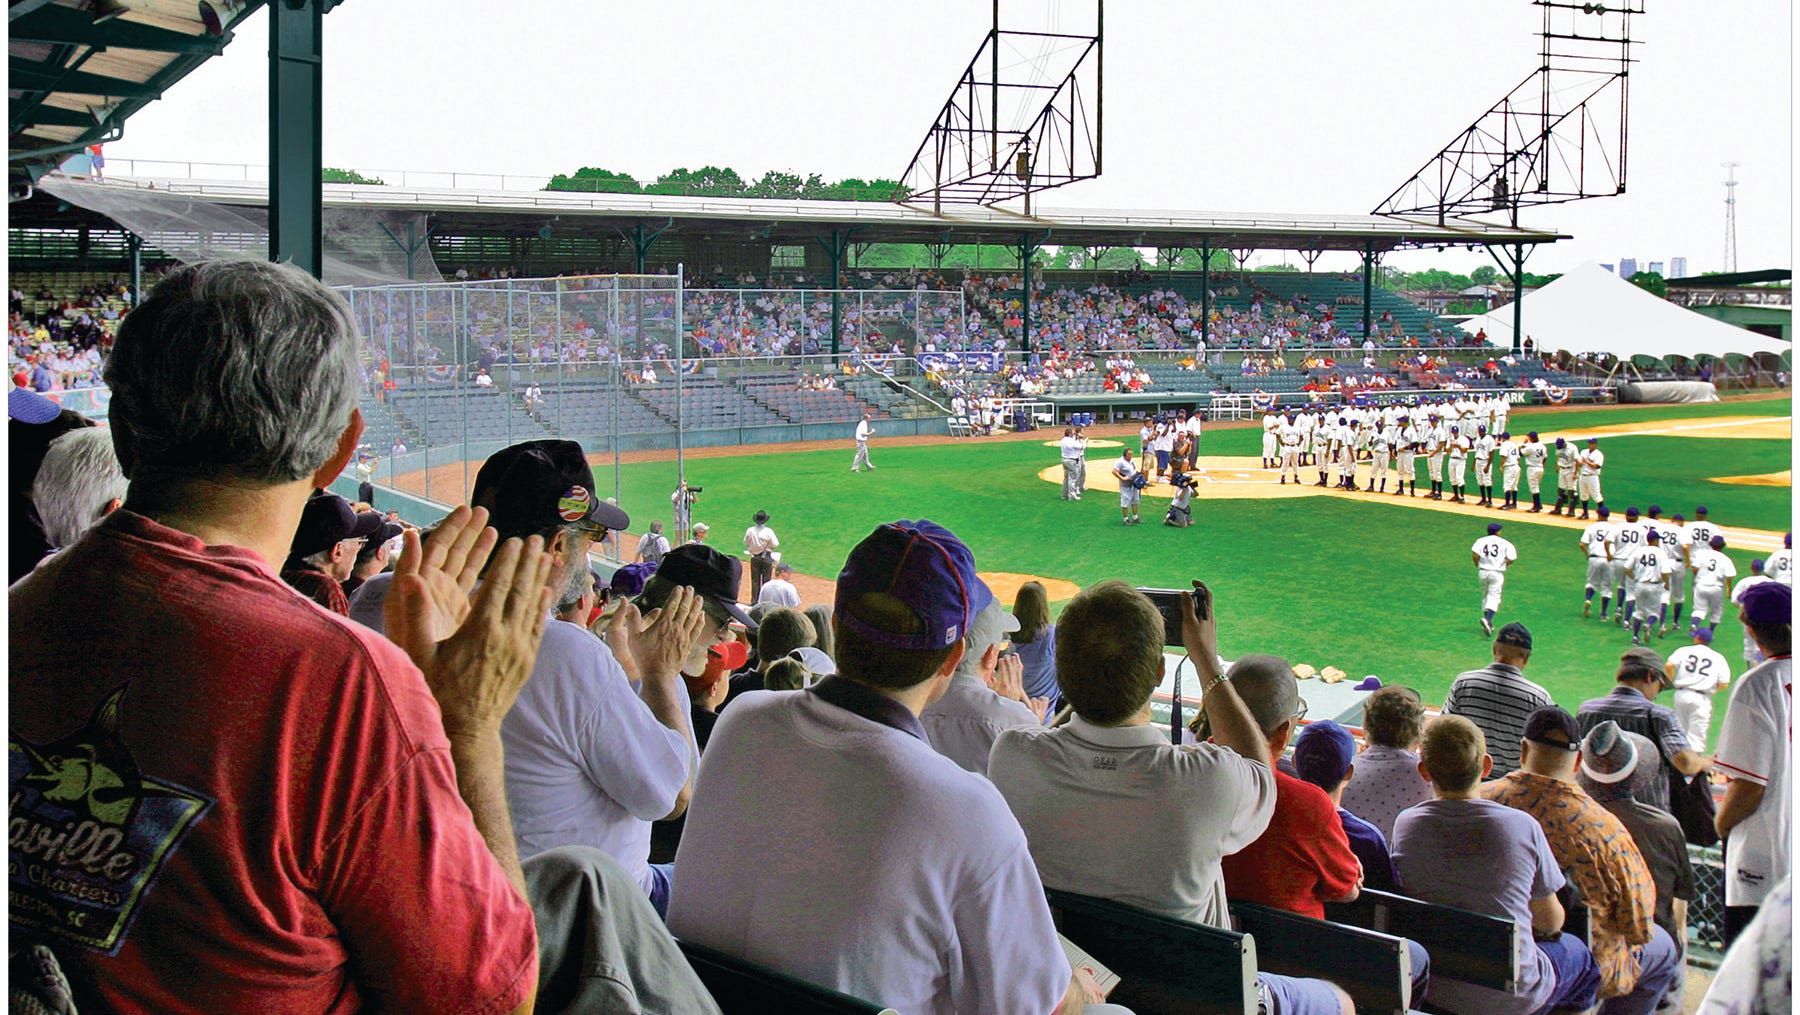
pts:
[1368, 287]
[296, 96]
[1028, 248]
[835, 245]
[411, 246]
[1206, 294]
[1518, 296]
[135, 244]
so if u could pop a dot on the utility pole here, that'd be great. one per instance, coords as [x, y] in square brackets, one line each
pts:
[1730, 215]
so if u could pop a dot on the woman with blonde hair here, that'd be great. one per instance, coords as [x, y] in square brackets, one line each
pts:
[1035, 641]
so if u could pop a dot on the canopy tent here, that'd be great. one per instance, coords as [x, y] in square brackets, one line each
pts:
[1592, 310]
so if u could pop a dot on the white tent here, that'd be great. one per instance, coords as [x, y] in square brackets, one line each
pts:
[1592, 310]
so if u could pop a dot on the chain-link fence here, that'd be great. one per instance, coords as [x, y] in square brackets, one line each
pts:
[1706, 914]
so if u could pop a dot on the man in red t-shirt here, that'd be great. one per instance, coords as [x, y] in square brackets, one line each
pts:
[1303, 860]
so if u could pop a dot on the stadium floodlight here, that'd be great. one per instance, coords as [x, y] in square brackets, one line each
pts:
[216, 14]
[106, 10]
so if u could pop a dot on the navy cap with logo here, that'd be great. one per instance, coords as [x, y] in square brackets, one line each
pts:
[1515, 634]
[925, 567]
[542, 485]
[327, 520]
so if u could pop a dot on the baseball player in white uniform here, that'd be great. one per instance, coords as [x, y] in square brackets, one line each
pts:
[1534, 454]
[1381, 452]
[1674, 543]
[1699, 672]
[1587, 475]
[1270, 423]
[1405, 452]
[1460, 447]
[1566, 467]
[1699, 534]
[1292, 438]
[1509, 472]
[1628, 539]
[1127, 471]
[1492, 556]
[1437, 446]
[1649, 568]
[1321, 446]
[1781, 563]
[1597, 546]
[863, 432]
[1484, 466]
[1713, 574]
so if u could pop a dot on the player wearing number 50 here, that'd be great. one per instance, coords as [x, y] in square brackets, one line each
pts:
[1492, 556]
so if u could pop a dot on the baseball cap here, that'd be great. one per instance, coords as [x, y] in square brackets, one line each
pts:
[1493, 527]
[1703, 635]
[711, 574]
[1608, 758]
[1699, 510]
[815, 660]
[1653, 511]
[990, 626]
[327, 520]
[1644, 659]
[629, 580]
[1603, 511]
[1515, 634]
[723, 659]
[1769, 603]
[1716, 542]
[1323, 753]
[541, 485]
[925, 567]
[1631, 512]
[1653, 536]
[1553, 727]
[1593, 440]
[1560, 442]
[1533, 435]
[27, 406]
[1679, 518]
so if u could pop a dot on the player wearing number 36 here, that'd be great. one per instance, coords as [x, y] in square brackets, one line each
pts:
[1492, 556]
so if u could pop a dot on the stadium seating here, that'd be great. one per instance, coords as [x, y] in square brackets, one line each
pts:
[1375, 969]
[1471, 947]
[743, 987]
[1164, 965]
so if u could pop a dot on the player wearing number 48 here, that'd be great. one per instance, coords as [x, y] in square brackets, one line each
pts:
[1492, 556]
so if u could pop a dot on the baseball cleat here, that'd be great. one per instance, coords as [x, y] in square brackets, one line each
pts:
[1488, 626]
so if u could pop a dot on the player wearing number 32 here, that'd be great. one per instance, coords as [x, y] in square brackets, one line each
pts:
[1492, 556]
[1699, 672]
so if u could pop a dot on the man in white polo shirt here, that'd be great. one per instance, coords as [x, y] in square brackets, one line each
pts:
[1112, 809]
[915, 888]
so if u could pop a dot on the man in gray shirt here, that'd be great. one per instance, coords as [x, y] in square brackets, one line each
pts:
[1498, 699]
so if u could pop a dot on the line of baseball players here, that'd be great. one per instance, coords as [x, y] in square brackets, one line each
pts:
[1337, 440]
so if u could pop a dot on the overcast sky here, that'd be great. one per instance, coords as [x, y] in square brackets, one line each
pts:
[1302, 106]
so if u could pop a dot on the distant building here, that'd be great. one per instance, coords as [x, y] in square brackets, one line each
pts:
[1627, 267]
[1656, 268]
[1678, 267]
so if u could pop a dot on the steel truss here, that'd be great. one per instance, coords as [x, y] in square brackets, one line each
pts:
[970, 157]
[1561, 135]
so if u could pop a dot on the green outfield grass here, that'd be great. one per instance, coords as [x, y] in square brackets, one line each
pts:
[1365, 587]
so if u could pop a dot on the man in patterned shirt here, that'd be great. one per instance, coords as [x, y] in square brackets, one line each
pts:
[1637, 959]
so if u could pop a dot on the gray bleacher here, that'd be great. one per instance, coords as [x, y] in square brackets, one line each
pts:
[452, 414]
[706, 405]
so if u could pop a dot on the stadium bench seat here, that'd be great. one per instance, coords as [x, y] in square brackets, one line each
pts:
[743, 987]
[1375, 969]
[1165, 966]
[1467, 946]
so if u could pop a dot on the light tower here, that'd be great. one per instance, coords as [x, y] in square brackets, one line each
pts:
[1730, 215]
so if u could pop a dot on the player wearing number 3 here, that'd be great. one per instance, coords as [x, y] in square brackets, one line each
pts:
[1492, 556]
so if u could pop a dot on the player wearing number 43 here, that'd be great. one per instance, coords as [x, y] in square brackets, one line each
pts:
[1492, 556]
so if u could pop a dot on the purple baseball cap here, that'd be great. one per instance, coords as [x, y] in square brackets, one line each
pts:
[1769, 603]
[925, 567]
[1323, 753]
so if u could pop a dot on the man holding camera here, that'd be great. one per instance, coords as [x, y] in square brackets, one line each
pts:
[1111, 808]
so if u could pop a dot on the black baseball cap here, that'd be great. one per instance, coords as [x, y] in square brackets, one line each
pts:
[542, 485]
[1553, 727]
[328, 519]
[710, 573]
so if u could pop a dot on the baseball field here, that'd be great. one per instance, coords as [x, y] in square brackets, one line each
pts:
[1362, 582]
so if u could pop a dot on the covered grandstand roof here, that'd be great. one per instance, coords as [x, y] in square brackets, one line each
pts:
[777, 221]
[77, 69]
[1592, 310]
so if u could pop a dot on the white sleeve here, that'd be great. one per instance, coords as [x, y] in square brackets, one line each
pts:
[1753, 739]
